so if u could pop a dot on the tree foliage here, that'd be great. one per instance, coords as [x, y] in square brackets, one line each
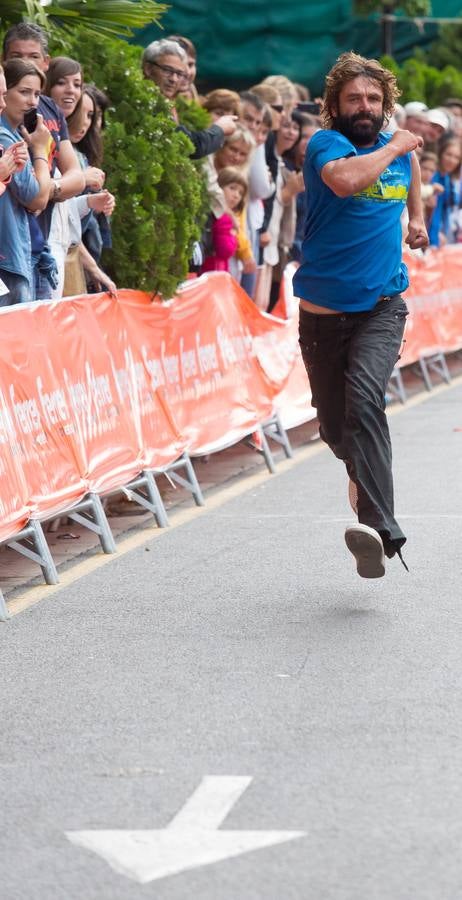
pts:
[447, 49]
[420, 81]
[108, 17]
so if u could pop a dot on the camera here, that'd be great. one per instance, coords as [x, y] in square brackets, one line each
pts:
[30, 120]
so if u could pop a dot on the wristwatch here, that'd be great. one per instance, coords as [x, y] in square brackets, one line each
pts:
[56, 192]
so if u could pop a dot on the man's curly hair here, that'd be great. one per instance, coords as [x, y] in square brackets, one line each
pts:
[351, 65]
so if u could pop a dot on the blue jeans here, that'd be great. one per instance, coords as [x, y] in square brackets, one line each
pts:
[349, 359]
[18, 289]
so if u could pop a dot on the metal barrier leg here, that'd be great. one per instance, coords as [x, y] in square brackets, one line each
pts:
[192, 477]
[151, 499]
[38, 550]
[4, 614]
[190, 482]
[275, 430]
[98, 524]
[265, 450]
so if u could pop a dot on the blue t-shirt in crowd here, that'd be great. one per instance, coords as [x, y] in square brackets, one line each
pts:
[351, 252]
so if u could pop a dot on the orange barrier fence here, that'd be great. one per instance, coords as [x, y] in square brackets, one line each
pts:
[435, 303]
[94, 390]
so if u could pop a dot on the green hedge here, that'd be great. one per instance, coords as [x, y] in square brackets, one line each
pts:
[420, 81]
[161, 201]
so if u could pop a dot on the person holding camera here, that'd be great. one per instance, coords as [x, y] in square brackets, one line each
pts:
[28, 190]
[29, 42]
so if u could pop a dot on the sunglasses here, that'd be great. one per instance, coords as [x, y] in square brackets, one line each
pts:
[278, 107]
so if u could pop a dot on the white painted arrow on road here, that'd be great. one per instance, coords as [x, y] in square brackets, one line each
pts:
[190, 840]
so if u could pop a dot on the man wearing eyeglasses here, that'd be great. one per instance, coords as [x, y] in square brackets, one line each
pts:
[165, 62]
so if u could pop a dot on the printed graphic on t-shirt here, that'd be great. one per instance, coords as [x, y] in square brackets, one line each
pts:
[389, 186]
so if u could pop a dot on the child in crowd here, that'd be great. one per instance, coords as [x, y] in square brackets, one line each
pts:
[230, 249]
[235, 188]
[221, 235]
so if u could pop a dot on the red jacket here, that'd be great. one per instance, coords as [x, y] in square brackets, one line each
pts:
[224, 239]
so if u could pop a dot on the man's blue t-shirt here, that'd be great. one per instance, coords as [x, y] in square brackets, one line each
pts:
[351, 252]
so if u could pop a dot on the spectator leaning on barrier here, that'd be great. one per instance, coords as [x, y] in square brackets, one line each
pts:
[281, 225]
[234, 185]
[86, 134]
[261, 184]
[29, 42]
[445, 227]
[430, 189]
[65, 85]
[223, 229]
[28, 189]
[358, 180]
[165, 63]
[218, 103]
[294, 158]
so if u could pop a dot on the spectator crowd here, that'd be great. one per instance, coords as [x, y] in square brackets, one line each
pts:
[55, 208]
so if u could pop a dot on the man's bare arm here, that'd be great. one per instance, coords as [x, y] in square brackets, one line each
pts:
[348, 175]
[417, 236]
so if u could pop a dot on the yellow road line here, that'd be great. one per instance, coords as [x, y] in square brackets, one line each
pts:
[179, 517]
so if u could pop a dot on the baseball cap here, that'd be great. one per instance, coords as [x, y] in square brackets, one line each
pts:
[438, 117]
[415, 108]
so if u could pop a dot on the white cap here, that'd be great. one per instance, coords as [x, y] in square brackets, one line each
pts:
[415, 108]
[438, 117]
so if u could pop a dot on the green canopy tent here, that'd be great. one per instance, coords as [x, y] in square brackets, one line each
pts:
[240, 42]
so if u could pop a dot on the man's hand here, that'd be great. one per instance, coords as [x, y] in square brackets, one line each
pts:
[228, 124]
[405, 141]
[417, 237]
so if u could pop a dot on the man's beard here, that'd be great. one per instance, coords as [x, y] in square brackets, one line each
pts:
[359, 132]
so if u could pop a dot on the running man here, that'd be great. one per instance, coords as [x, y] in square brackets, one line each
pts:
[358, 180]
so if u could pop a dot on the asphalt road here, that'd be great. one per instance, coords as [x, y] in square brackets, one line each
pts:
[243, 644]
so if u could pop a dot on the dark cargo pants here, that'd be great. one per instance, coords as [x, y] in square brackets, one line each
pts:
[349, 358]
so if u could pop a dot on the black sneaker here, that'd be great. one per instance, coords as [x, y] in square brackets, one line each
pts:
[366, 546]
